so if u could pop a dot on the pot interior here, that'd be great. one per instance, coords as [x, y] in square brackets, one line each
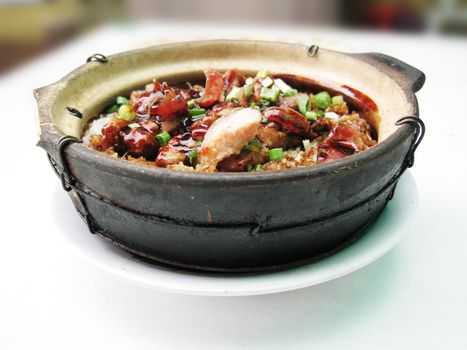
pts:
[93, 86]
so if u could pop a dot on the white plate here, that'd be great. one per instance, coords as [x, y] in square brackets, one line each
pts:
[382, 236]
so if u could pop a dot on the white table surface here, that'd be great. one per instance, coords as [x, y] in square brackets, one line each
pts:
[415, 297]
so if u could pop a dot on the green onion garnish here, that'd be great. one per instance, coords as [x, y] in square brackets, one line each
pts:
[196, 111]
[291, 92]
[192, 156]
[320, 114]
[322, 100]
[253, 105]
[337, 100]
[163, 138]
[311, 116]
[233, 94]
[126, 113]
[282, 85]
[270, 94]
[249, 167]
[304, 103]
[191, 103]
[267, 82]
[112, 109]
[275, 154]
[248, 90]
[253, 146]
[121, 100]
[265, 103]
[262, 73]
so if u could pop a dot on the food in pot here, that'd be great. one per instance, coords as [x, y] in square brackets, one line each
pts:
[232, 124]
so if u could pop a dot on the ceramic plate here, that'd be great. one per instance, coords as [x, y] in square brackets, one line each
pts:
[381, 237]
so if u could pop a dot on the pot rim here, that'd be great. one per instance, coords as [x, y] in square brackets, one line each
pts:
[45, 96]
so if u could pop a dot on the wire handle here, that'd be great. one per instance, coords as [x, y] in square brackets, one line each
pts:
[97, 57]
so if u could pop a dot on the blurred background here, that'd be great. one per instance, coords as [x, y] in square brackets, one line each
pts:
[29, 28]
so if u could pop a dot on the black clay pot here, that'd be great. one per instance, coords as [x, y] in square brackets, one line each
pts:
[231, 221]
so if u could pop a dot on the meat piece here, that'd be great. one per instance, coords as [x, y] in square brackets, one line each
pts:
[200, 127]
[256, 95]
[111, 135]
[227, 136]
[288, 102]
[171, 105]
[141, 143]
[240, 162]
[145, 101]
[170, 126]
[367, 133]
[213, 89]
[323, 126]
[344, 140]
[288, 119]
[232, 78]
[272, 137]
[176, 150]
[149, 125]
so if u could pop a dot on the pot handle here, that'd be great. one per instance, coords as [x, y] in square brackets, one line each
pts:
[400, 71]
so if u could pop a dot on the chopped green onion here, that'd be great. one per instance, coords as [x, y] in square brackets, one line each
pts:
[262, 73]
[265, 103]
[269, 94]
[192, 156]
[304, 103]
[275, 154]
[126, 113]
[267, 82]
[322, 100]
[291, 92]
[282, 85]
[257, 167]
[337, 100]
[249, 167]
[121, 100]
[320, 114]
[163, 138]
[264, 119]
[134, 125]
[233, 94]
[191, 103]
[253, 105]
[311, 116]
[196, 111]
[247, 90]
[112, 109]
[253, 146]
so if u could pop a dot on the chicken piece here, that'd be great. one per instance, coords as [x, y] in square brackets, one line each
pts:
[176, 151]
[200, 127]
[112, 137]
[140, 142]
[227, 136]
[240, 162]
[272, 137]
